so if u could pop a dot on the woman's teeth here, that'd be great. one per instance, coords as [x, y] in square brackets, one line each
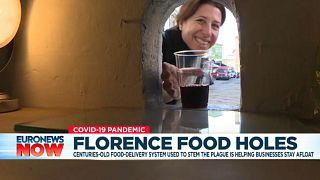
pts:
[201, 41]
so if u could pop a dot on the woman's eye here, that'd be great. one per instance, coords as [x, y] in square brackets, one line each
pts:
[201, 21]
[215, 26]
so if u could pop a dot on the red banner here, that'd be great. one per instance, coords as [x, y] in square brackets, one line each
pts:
[109, 129]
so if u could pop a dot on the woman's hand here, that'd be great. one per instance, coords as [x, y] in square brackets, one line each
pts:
[170, 80]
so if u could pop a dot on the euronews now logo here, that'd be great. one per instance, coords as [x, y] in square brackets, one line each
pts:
[38, 146]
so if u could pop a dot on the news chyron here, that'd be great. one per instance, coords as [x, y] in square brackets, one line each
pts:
[137, 143]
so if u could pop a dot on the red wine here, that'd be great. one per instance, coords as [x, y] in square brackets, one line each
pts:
[194, 96]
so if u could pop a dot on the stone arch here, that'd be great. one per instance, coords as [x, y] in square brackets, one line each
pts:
[155, 15]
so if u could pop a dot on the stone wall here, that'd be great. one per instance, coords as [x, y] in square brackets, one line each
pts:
[279, 46]
[78, 54]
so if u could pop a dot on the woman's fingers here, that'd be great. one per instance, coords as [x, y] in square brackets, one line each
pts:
[170, 82]
[168, 70]
[192, 71]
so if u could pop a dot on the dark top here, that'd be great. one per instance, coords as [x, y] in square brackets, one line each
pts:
[172, 42]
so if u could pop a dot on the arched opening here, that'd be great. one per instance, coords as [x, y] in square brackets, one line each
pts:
[154, 19]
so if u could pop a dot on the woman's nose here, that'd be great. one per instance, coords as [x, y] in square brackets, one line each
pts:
[206, 29]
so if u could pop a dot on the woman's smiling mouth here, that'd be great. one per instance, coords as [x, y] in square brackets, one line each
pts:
[202, 42]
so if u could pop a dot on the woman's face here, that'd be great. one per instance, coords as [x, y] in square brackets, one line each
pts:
[201, 30]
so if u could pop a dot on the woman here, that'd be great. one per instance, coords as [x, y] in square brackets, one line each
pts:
[198, 24]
